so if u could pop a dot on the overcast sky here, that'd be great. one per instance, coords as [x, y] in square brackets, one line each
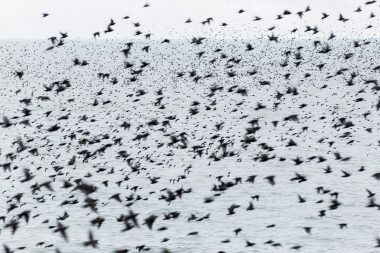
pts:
[21, 19]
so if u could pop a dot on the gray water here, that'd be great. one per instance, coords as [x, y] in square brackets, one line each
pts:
[277, 205]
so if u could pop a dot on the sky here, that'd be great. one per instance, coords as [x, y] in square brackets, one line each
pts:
[22, 19]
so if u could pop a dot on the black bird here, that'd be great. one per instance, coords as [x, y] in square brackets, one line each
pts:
[62, 230]
[341, 18]
[271, 180]
[91, 241]
[150, 220]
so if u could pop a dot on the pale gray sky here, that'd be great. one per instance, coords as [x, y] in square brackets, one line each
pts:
[165, 18]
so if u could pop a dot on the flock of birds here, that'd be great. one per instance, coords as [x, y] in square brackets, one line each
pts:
[196, 145]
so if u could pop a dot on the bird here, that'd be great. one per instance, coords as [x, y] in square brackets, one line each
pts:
[341, 18]
[62, 230]
[377, 242]
[271, 179]
[150, 220]
[91, 241]
[376, 176]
